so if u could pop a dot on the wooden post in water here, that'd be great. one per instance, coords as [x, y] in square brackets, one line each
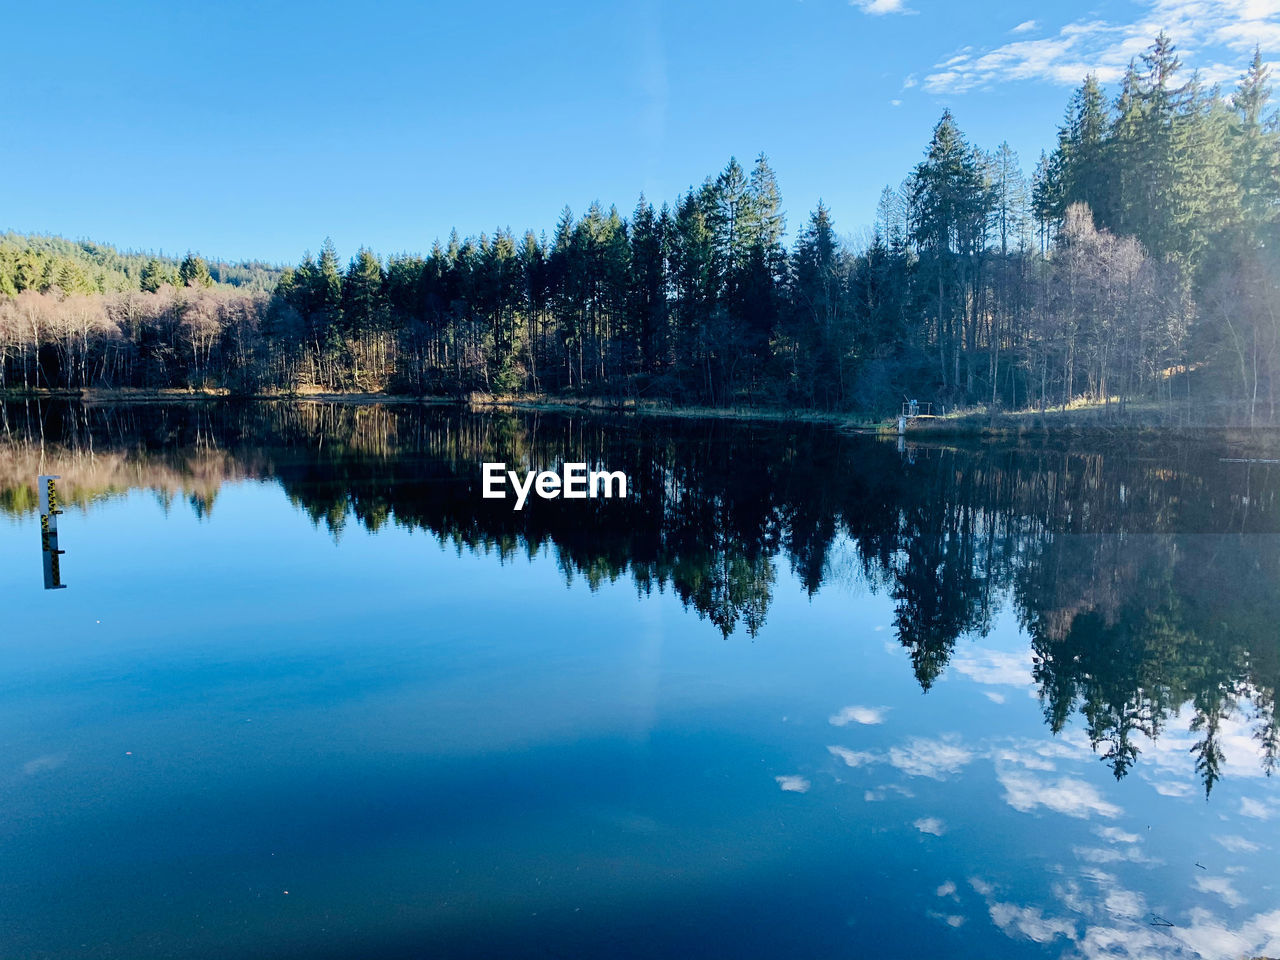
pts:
[47, 492]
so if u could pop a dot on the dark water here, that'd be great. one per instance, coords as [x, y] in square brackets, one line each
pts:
[306, 694]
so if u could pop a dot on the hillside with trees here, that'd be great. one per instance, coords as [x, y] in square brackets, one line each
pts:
[63, 267]
[1139, 261]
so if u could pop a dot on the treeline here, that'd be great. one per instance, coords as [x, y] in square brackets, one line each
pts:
[1146, 584]
[1141, 260]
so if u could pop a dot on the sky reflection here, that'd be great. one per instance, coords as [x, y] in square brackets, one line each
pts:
[440, 747]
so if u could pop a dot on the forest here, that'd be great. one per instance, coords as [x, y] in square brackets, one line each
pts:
[1139, 261]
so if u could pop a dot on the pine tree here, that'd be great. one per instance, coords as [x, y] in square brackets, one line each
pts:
[891, 222]
[364, 301]
[950, 204]
[403, 285]
[155, 274]
[534, 297]
[1255, 149]
[1083, 164]
[499, 293]
[767, 222]
[323, 315]
[647, 298]
[1126, 154]
[694, 278]
[816, 331]
[731, 216]
[194, 272]
[1010, 198]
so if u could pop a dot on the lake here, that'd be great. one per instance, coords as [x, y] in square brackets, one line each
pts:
[802, 693]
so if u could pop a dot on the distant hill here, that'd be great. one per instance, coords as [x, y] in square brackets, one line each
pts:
[32, 261]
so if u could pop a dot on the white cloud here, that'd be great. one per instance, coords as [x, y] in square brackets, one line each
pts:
[1196, 935]
[922, 757]
[994, 667]
[993, 696]
[1118, 854]
[952, 920]
[1026, 26]
[1072, 897]
[882, 793]
[948, 889]
[1243, 753]
[878, 8]
[1208, 937]
[793, 784]
[1075, 798]
[1250, 807]
[930, 825]
[1171, 788]
[1203, 30]
[1264, 930]
[852, 758]
[1237, 844]
[1031, 923]
[1116, 835]
[1124, 903]
[864, 715]
[1024, 756]
[1220, 886]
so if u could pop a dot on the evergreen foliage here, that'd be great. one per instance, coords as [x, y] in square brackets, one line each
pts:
[50, 264]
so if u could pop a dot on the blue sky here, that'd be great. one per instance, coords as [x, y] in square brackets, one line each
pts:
[252, 130]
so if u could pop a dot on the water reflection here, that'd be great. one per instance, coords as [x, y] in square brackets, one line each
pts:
[1146, 580]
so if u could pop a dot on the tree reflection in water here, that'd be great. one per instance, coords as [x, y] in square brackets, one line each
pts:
[1145, 580]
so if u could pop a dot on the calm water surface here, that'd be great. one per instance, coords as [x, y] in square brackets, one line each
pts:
[306, 694]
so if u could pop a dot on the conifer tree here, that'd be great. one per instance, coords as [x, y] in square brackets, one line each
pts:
[647, 295]
[194, 272]
[1255, 149]
[364, 299]
[1009, 197]
[1082, 161]
[154, 275]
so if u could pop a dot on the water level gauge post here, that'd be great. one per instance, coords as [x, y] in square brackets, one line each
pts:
[49, 512]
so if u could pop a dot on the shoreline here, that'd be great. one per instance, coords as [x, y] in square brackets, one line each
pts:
[1143, 422]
